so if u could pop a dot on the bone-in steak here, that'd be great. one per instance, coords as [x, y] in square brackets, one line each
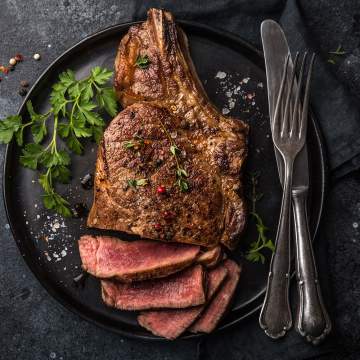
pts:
[181, 290]
[169, 166]
[171, 323]
[108, 257]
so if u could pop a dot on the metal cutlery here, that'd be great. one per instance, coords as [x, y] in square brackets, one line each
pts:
[312, 319]
[289, 134]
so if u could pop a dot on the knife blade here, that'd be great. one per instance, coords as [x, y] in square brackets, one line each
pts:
[275, 51]
[313, 321]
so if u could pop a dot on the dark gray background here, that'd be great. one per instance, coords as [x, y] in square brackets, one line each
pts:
[34, 326]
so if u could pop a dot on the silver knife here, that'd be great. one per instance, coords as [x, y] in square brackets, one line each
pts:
[312, 321]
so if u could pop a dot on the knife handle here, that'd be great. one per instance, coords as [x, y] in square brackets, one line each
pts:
[275, 317]
[312, 321]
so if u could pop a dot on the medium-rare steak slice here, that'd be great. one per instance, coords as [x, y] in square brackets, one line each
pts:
[169, 166]
[220, 303]
[210, 258]
[181, 290]
[173, 322]
[108, 257]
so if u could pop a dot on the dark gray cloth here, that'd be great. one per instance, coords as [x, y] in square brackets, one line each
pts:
[33, 326]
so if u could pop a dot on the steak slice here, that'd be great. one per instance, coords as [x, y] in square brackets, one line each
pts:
[167, 109]
[171, 323]
[220, 303]
[109, 257]
[211, 257]
[181, 290]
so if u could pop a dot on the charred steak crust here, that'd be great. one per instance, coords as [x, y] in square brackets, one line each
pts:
[108, 257]
[213, 147]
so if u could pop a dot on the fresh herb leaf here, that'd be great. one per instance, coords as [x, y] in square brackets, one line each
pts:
[334, 55]
[254, 253]
[174, 150]
[108, 100]
[135, 183]
[8, 127]
[101, 75]
[128, 144]
[142, 62]
[74, 105]
[31, 155]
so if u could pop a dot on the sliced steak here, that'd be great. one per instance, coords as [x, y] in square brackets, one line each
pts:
[168, 135]
[211, 257]
[171, 323]
[220, 303]
[109, 257]
[181, 290]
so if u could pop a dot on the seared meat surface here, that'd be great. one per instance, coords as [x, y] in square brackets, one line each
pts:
[169, 165]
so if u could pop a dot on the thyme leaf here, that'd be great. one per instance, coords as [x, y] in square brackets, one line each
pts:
[255, 252]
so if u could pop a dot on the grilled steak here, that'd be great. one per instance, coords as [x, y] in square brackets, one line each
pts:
[173, 322]
[220, 303]
[107, 257]
[211, 257]
[169, 165]
[181, 290]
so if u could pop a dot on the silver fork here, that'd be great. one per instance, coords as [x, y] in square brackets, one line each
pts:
[289, 134]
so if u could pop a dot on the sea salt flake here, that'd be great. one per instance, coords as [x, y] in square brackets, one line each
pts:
[63, 253]
[225, 111]
[245, 80]
[220, 75]
[260, 85]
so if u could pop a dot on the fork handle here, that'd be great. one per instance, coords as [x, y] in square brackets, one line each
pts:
[275, 317]
[312, 321]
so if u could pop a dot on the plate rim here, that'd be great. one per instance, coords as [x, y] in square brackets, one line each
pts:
[122, 330]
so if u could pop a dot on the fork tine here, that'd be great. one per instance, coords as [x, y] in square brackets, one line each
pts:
[296, 120]
[305, 109]
[276, 120]
[285, 124]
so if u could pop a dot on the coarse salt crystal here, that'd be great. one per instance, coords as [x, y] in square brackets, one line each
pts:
[220, 75]
[355, 225]
[245, 80]
[63, 253]
[225, 111]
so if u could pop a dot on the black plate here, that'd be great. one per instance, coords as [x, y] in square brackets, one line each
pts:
[48, 243]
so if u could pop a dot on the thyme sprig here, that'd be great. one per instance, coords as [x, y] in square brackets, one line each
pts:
[334, 55]
[254, 253]
[181, 173]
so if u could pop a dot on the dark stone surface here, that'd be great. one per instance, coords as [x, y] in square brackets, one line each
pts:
[34, 326]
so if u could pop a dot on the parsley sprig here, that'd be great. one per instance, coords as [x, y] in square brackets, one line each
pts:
[74, 113]
[254, 253]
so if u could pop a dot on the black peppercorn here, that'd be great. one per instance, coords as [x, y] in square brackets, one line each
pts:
[22, 92]
[87, 181]
[80, 210]
[24, 83]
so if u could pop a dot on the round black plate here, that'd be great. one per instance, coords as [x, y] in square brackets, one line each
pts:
[233, 75]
